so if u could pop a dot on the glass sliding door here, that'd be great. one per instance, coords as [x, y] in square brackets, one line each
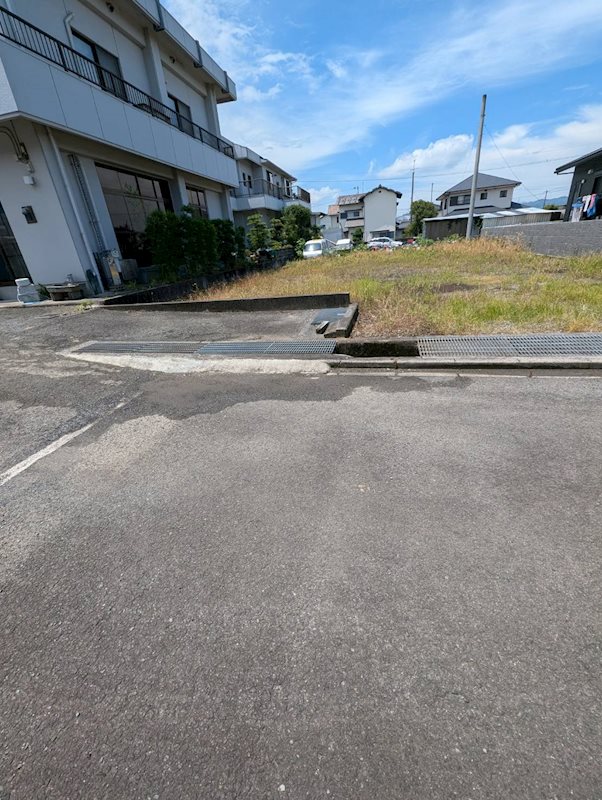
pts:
[12, 264]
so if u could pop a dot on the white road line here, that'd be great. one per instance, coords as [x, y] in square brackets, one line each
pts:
[51, 448]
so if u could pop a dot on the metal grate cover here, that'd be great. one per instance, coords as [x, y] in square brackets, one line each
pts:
[298, 347]
[140, 347]
[533, 344]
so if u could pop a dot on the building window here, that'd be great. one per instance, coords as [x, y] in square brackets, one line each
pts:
[247, 180]
[454, 200]
[12, 264]
[131, 199]
[504, 193]
[198, 201]
[465, 199]
[483, 195]
[355, 213]
[343, 215]
[107, 69]
[270, 176]
[183, 117]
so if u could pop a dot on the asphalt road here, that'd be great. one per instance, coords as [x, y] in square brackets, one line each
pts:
[347, 586]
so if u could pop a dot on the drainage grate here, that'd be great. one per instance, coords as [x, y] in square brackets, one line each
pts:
[534, 344]
[140, 347]
[298, 347]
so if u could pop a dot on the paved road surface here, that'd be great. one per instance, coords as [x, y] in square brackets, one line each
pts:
[289, 587]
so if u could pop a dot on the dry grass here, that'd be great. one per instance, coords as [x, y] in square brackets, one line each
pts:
[482, 286]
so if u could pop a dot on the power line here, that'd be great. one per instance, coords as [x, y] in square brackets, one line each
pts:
[514, 175]
[408, 176]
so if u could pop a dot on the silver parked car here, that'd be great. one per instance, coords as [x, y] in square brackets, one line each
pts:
[383, 243]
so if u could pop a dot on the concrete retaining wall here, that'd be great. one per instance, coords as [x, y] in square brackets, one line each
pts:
[554, 238]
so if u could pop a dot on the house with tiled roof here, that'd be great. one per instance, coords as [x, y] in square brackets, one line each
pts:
[493, 194]
[374, 212]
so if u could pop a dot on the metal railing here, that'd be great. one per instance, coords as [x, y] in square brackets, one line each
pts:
[23, 33]
[301, 194]
[261, 186]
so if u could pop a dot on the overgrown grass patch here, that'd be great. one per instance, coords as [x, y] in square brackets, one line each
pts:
[482, 286]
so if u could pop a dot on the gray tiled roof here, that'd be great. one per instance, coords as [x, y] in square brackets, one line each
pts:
[349, 199]
[483, 182]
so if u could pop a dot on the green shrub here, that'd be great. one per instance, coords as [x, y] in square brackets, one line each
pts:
[258, 233]
[357, 236]
[164, 240]
[241, 246]
[226, 243]
[199, 243]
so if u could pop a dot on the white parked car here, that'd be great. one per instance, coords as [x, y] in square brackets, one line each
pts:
[343, 244]
[316, 247]
[383, 243]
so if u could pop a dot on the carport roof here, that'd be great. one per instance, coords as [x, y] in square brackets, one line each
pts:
[586, 157]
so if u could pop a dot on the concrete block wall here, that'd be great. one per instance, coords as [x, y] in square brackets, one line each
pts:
[554, 238]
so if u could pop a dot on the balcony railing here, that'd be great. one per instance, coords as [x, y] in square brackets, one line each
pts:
[258, 187]
[301, 194]
[23, 33]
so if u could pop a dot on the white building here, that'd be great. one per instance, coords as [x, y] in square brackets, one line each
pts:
[374, 212]
[264, 188]
[107, 112]
[493, 194]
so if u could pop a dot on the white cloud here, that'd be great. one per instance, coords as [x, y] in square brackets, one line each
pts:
[336, 68]
[518, 151]
[323, 196]
[250, 94]
[441, 154]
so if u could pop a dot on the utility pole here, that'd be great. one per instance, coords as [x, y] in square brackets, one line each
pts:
[412, 191]
[545, 197]
[477, 158]
[432, 184]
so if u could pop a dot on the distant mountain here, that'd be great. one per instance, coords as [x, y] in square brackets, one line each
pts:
[556, 201]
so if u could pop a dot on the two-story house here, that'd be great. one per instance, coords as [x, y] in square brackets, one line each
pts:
[264, 188]
[108, 111]
[374, 212]
[493, 194]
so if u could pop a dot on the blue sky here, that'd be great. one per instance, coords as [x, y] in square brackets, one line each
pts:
[349, 93]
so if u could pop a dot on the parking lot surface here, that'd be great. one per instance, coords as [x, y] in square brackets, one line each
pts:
[345, 586]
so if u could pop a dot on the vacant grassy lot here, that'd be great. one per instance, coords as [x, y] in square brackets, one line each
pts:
[482, 286]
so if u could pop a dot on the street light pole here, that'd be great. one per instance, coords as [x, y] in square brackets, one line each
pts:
[475, 174]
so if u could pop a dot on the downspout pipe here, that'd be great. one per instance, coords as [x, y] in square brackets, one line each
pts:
[78, 219]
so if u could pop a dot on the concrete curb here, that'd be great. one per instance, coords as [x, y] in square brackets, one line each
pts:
[580, 362]
[343, 325]
[291, 303]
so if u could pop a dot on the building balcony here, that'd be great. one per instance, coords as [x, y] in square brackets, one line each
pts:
[45, 79]
[263, 194]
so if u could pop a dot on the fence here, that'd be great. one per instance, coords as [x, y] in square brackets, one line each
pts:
[555, 238]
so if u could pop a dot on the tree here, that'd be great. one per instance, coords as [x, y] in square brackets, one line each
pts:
[296, 224]
[421, 209]
[551, 207]
[258, 233]
[357, 237]
[277, 232]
